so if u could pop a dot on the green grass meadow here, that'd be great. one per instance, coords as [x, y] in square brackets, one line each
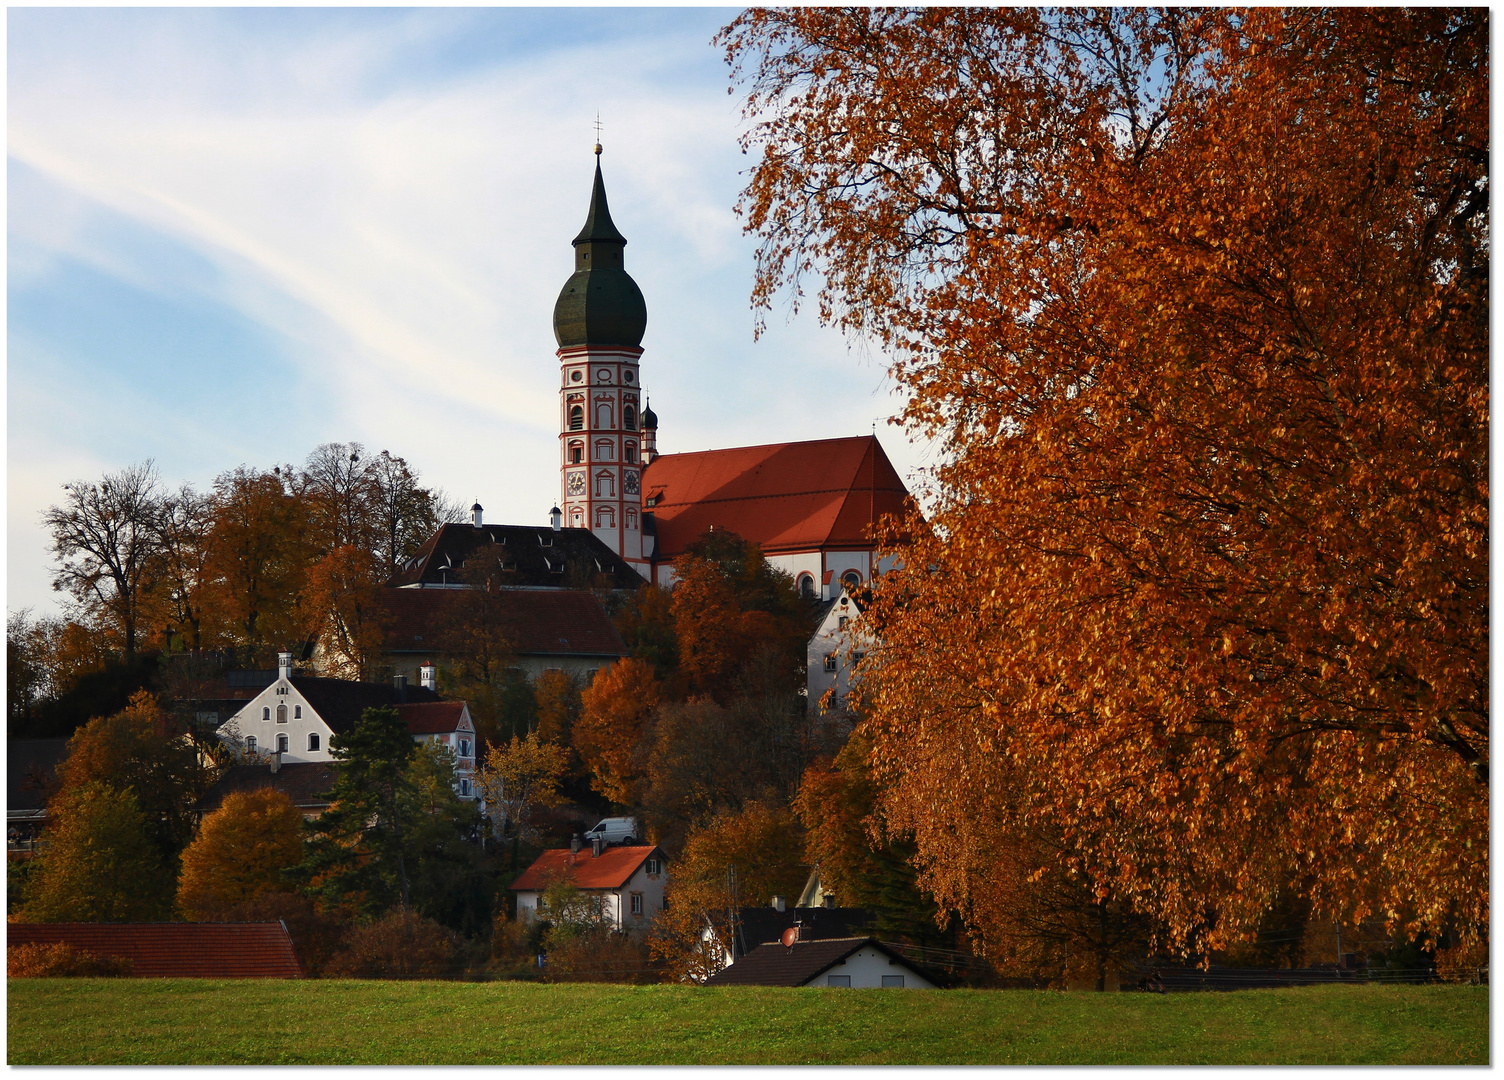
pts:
[331, 1022]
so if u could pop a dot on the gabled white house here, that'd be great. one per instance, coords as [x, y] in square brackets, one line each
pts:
[627, 881]
[835, 648]
[295, 716]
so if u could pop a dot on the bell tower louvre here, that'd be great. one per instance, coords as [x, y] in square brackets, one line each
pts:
[599, 320]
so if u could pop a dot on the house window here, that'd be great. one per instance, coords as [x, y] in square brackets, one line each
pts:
[250, 744]
[806, 586]
[654, 866]
[281, 744]
[464, 748]
[313, 741]
[858, 657]
[577, 418]
[465, 789]
[841, 622]
[297, 712]
[838, 980]
[893, 980]
[830, 661]
[281, 714]
[637, 903]
[851, 579]
[266, 712]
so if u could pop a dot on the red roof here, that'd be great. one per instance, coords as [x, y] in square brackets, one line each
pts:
[538, 622]
[432, 718]
[177, 950]
[803, 496]
[611, 869]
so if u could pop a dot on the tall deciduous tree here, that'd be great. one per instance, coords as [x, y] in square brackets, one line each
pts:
[183, 528]
[1198, 301]
[616, 709]
[105, 539]
[241, 853]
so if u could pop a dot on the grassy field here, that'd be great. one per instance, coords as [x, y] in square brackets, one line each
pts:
[183, 1022]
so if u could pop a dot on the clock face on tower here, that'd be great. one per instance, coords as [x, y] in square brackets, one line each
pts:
[629, 482]
[576, 483]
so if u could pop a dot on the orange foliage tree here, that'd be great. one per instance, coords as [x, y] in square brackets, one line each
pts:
[614, 710]
[240, 854]
[1198, 302]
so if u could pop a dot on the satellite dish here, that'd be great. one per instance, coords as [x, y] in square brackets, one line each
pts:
[790, 936]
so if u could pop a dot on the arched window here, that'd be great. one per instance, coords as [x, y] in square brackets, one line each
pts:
[605, 450]
[629, 418]
[297, 712]
[313, 741]
[806, 586]
[577, 518]
[603, 414]
[250, 744]
[851, 579]
[577, 418]
[576, 451]
[266, 712]
[281, 744]
[281, 715]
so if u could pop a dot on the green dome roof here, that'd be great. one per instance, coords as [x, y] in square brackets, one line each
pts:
[600, 304]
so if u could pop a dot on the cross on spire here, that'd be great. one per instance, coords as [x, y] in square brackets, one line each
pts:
[597, 132]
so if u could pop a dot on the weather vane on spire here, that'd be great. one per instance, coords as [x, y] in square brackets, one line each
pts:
[597, 133]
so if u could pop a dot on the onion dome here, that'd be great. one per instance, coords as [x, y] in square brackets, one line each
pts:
[600, 304]
[649, 418]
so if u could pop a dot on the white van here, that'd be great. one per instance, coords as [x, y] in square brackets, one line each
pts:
[614, 830]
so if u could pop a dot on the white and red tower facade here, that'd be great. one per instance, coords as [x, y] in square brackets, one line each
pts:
[599, 321]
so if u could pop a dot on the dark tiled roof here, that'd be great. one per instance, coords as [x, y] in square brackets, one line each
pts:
[763, 924]
[432, 718]
[177, 950]
[800, 496]
[339, 702]
[30, 767]
[538, 622]
[610, 869]
[533, 556]
[776, 964]
[306, 783]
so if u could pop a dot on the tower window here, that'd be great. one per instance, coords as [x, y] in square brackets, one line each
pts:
[629, 418]
[631, 453]
[576, 453]
[851, 579]
[577, 418]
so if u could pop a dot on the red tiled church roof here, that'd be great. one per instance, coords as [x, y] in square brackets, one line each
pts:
[432, 718]
[611, 869]
[559, 622]
[177, 950]
[825, 493]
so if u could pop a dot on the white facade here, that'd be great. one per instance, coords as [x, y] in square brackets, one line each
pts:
[630, 906]
[870, 969]
[834, 649]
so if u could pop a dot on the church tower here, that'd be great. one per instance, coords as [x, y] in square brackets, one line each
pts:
[599, 321]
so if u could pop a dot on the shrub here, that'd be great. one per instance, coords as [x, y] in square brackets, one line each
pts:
[400, 944]
[56, 960]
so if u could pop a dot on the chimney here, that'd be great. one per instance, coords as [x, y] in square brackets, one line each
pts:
[779, 903]
[276, 760]
[284, 665]
[426, 676]
[830, 900]
[574, 844]
[475, 515]
[399, 684]
[556, 518]
[597, 845]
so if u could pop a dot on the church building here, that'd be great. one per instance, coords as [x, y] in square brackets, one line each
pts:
[811, 506]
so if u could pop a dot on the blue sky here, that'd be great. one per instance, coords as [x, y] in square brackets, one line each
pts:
[236, 234]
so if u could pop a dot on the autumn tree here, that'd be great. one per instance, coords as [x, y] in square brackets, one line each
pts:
[182, 527]
[101, 862]
[343, 608]
[138, 751]
[1197, 301]
[518, 778]
[240, 854]
[104, 536]
[742, 858]
[557, 695]
[615, 711]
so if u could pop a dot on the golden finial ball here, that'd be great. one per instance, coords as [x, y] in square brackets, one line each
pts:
[597, 149]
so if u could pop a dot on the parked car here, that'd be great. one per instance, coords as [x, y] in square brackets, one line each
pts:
[614, 830]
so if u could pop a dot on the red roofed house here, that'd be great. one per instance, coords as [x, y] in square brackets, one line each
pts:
[628, 880]
[176, 950]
